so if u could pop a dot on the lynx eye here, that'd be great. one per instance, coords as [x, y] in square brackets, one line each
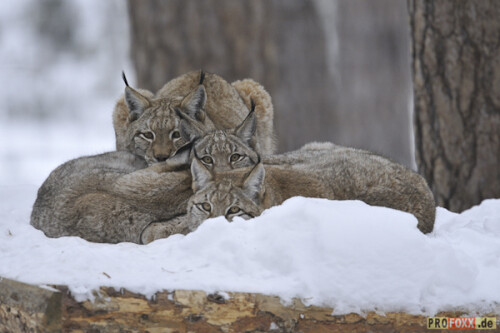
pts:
[233, 210]
[206, 206]
[176, 135]
[235, 157]
[207, 160]
[148, 135]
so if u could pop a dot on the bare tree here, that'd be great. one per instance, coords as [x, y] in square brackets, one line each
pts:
[456, 77]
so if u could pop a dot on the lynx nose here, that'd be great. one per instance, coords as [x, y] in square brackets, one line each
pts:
[161, 157]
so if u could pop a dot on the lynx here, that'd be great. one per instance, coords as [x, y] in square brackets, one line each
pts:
[108, 198]
[148, 125]
[338, 173]
[224, 150]
[322, 170]
[219, 150]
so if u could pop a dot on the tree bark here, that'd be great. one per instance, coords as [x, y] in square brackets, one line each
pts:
[456, 77]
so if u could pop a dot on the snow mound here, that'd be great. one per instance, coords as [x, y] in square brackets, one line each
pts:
[343, 254]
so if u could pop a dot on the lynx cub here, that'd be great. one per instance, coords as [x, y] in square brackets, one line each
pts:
[321, 170]
[111, 198]
[338, 173]
[148, 125]
[224, 150]
[219, 150]
[108, 198]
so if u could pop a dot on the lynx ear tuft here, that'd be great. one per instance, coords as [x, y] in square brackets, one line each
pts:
[136, 103]
[125, 79]
[202, 76]
[252, 105]
[194, 104]
[246, 130]
[254, 183]
[200, 174]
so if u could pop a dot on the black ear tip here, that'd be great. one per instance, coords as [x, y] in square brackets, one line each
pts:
[202, 76]
[252, 105]
[125, 79]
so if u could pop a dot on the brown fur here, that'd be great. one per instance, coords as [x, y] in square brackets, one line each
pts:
[121, 121]
[321, 170]
[264, 113]
[338, 174]
[226, 107]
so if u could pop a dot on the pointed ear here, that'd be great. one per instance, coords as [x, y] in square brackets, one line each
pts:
[246, 130]
[180, 160]
[201, 175]
[190, 128]
[188, 132]
[136, 103]
[254, 183]
[194, 103]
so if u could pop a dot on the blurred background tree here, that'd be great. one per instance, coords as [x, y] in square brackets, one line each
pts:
[456, 66]
[336, 70]
[60, 63]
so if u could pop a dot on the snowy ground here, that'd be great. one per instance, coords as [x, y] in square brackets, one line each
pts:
[347, 255]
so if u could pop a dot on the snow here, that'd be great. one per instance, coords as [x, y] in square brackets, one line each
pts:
[342, 254]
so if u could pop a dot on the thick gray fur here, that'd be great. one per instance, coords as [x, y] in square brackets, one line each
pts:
[322, 170]
[108, 198]
[335, 173]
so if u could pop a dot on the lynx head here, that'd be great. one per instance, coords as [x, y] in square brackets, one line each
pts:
[223, 150]
[154, 130]
[229, 194]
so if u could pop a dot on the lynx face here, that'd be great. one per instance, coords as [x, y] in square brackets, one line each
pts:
[229, 194]
[154, 130]
[223, 150]
[155, 135]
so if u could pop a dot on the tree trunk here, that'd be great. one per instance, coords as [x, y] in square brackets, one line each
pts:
[456, 76]
[279, 44]
[374, 77]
